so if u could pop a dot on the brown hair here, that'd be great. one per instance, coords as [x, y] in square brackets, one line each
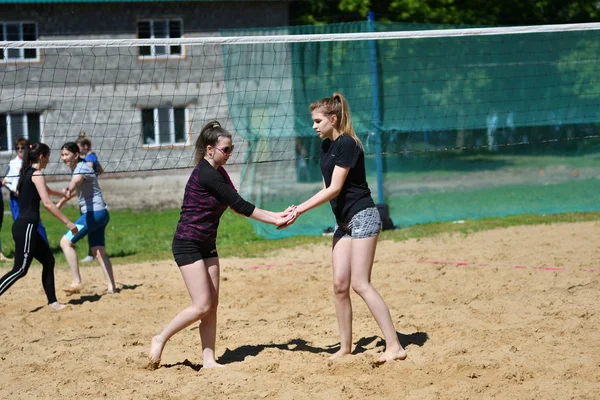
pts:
[209, 136]
[22, 142]
[338, 106]
[82, 140]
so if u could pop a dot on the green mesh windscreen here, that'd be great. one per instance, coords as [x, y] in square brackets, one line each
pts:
[469, 127]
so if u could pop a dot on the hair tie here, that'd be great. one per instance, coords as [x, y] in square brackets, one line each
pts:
[30, 146]
[216, 124]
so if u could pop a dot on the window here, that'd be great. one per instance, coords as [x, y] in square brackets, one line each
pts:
[160, 29]
[164, 126]
[18, 31]
[19, 125]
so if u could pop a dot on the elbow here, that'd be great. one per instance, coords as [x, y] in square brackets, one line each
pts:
[48, 204]
[335, 192]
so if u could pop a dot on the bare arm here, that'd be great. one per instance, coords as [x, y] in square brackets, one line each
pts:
[53, 192]
[65, 199]
[75, 181]
[40, 184]
[270, 217]
[327, 193]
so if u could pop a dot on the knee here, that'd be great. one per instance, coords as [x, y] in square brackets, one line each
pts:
[98, 252]
[65, 243]
[341, 287]
[201, 309]
[361, 287]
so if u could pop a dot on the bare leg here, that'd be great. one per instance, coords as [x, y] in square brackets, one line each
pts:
[363, 254]
[68, 249]
[106, 265]
[208, 325]
[198, 283]
[341, 290]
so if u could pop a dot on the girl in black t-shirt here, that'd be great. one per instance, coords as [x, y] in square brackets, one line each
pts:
[29, 243]
[357, 222]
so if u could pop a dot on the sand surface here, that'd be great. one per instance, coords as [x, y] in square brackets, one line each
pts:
[509, 314]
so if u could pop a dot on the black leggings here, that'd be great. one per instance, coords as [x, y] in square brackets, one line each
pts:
[28, 245]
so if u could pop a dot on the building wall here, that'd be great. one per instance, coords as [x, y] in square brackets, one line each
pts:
[102, 90]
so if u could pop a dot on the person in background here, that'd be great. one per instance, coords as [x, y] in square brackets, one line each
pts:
[93, 220]
[2, 256]
[91, 159]
[11, 181]
[29, 244]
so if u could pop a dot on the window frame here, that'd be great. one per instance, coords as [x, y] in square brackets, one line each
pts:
[10, 140]
[153, 55]
[156, 127]
[21, 59]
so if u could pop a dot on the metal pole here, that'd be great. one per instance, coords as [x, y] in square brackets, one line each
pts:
[376, 108]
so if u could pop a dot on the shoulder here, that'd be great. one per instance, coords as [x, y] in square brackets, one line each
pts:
[91, 157]
[346, 140]
[347, 144]
[15, 161]
[82, 168]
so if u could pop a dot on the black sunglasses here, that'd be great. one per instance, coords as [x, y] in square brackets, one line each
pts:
[226, 149]
[20, 148]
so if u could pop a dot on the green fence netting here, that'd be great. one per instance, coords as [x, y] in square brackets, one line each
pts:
[469, 127]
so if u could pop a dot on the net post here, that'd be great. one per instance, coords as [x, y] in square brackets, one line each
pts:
[376, 109]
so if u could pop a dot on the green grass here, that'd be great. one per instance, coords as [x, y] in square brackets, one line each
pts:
[137, 236]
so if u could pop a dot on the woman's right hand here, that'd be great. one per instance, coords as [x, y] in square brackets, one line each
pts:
[72, 227]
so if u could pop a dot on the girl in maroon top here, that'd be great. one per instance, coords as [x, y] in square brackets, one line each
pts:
[357, 222]
[208, 193]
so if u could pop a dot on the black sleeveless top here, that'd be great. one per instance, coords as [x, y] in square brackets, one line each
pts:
[29, 199]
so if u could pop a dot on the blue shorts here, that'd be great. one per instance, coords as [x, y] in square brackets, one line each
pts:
[93, 224]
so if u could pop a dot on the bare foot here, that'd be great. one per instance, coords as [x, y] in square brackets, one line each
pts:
[156, 348]
[212, 364]
[392, 355]
[339, 354]
[73, 289]
[56, 306]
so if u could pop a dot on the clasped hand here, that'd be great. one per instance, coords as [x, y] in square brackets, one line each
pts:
[287, 217]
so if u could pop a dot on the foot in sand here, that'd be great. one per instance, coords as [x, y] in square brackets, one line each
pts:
[56, 306]
[73, 289]
[156, 349]
[339, 354]
[212, 364]
[392, 355]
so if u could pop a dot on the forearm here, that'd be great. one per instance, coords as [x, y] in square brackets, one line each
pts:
[265, 216]
[53, 192]
[54, 210]
[319, 198]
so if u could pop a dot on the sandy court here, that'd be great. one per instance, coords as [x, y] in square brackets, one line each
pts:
[509, 314]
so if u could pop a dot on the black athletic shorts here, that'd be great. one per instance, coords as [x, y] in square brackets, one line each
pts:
[187, 252]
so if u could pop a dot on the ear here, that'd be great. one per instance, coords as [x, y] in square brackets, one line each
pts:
[333, 119]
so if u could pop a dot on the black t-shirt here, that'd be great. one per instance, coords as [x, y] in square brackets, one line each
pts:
[29, 198]
[355, 195]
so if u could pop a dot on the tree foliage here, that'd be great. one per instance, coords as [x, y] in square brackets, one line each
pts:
[458, 12]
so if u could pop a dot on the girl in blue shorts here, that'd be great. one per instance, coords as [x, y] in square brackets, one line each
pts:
[93, 220]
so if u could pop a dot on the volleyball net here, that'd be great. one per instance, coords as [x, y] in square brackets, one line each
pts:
[456, 123]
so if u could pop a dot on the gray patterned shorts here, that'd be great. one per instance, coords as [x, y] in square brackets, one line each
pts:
[364, 224]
